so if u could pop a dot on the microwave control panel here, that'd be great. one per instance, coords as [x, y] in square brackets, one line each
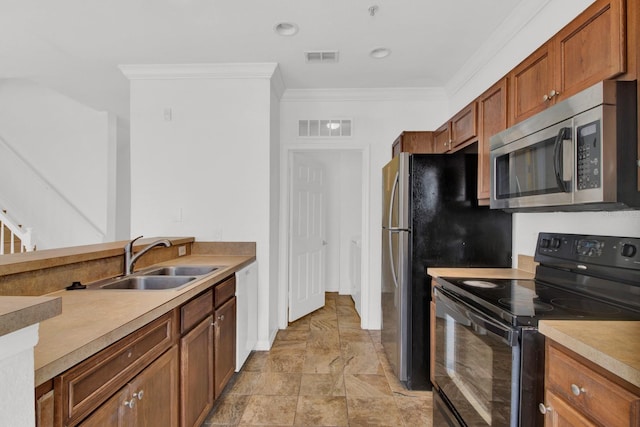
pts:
[588, 155]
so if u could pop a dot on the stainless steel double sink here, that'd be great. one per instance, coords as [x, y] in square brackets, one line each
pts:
[157, 278]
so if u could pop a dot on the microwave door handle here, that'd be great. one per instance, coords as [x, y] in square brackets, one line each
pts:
[563, 134]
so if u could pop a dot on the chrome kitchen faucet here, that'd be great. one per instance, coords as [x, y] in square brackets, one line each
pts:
[130, 259]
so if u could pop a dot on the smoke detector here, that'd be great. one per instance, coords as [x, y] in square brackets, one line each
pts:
[323, 56]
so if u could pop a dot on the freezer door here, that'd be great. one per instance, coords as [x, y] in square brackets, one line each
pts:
[395, 193]
[395, 263]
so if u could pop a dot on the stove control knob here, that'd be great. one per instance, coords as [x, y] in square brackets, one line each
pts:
[555, 243]
[544, 243]
[628, 250]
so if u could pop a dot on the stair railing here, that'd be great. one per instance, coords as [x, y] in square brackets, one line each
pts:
[16, 233]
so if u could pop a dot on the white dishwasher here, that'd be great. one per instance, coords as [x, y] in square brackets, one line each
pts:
[247, 312]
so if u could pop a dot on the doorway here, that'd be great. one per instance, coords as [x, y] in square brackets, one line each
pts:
[344, 240]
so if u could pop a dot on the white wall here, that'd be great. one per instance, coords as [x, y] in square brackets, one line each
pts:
[378, 118]
[202, 150]
[62, 187]
[526, 226]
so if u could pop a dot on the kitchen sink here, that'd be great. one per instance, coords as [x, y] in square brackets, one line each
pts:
[181, 270]
[148, 282]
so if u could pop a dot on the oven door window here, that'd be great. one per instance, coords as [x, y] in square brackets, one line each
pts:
[477, 365]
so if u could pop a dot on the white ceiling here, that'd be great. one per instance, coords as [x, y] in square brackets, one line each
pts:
[75, 46]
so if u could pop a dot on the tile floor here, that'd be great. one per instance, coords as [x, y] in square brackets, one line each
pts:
[323, 370]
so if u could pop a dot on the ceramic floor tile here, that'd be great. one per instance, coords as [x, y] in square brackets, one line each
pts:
[256, 361]
[323, 324]
[415, 411]
[244, 382]
[227, 410]
[270, 410]
[321, 411]
[322, 385]
[285, 361]
[366, 385]
[323, 362]
[323, 370]
[278, 383]
[373, 411]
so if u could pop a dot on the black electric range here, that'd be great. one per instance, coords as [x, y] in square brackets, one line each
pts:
[489, 364]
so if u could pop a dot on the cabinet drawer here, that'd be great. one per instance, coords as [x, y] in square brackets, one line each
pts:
[195, 310]
[87, 385]
[224, 291]
[597, 396]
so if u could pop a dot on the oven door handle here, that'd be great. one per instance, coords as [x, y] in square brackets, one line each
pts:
[563, 134]
[508, 335]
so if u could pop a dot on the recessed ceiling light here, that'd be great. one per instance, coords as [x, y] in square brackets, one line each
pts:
[286, 29]
[380, 52]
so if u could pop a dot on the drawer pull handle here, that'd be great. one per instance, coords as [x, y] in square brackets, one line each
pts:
[544, 409]
[221, 317]
[130, 403]
[139, 394]
[577, 390]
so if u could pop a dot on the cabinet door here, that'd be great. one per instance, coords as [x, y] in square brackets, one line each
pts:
[196, 373]
[531, 83]
[464, 125]
[225, 344]
[156, 391]
[561, 414]
[591, 48]
[492, 118]
[442, 139]
[114, 412]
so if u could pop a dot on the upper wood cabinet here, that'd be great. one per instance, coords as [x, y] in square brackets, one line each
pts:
[492, 118]
[459, 129]
[590, 49]
[464, 125]
[415, 142]
[442, 138]
[531, 81]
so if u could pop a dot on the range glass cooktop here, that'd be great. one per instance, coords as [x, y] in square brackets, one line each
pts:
[524, 302]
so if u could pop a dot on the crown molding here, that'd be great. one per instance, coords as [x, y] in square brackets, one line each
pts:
[199, 71]
[365, 94]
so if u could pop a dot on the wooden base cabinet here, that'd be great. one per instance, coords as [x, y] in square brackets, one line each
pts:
[148, 400]
[579, 393]
[224, 344]
[196, 373]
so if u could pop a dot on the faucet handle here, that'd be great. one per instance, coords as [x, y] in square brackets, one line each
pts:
[130, 244]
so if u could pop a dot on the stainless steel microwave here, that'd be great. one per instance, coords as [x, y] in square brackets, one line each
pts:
[580, 154]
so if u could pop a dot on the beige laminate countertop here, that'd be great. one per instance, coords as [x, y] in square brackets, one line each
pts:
[19, 312]
[481, 273]
[91, 320]
[613, 345]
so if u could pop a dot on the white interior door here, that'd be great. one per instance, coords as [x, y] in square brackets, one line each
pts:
[307, 237]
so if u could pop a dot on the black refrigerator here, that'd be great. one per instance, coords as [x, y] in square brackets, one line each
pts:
[430, 218]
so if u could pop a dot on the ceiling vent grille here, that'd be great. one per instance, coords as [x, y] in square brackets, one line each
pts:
[325, 128]
[325, 57]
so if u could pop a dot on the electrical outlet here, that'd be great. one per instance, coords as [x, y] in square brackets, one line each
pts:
[182, 250]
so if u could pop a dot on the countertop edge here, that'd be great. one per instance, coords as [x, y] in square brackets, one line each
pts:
[55, 367]
[29, 311]
[553, 329]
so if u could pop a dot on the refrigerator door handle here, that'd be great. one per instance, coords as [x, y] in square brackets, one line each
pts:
[396, 183]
